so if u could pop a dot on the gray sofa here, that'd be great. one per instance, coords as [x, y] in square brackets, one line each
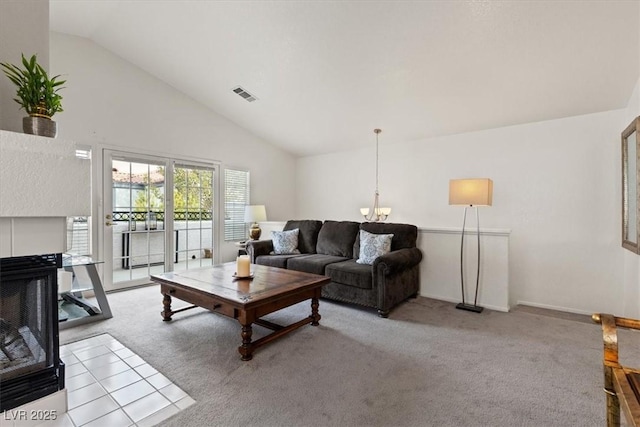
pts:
[331, 248]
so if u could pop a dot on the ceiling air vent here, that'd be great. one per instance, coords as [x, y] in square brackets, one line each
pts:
[243, 93]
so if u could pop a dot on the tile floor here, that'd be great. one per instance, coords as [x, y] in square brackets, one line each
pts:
[109, 385]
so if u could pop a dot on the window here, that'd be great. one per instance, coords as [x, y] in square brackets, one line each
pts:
[79, 235]
[236, 197]
[79, 227]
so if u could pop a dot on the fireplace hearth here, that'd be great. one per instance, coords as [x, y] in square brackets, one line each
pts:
[30, 366]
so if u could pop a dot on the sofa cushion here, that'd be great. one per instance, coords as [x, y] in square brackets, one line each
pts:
[351, 273]
[279, 261]
[404, 235]
[308, 235]
[315, 263]
[336, 238]
[285, 242]
[373, 246]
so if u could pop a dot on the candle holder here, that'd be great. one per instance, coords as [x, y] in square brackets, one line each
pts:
[236, 277]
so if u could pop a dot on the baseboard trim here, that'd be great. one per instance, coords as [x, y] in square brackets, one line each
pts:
[554, 307]
[456, 300]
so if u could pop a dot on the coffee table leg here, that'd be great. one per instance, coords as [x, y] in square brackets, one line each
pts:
[315, 316]
[166, 303]
[246, 349]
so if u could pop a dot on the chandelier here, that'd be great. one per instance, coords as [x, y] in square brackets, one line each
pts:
[377, 213]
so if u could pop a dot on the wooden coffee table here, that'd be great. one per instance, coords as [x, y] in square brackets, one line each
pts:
[247, 300]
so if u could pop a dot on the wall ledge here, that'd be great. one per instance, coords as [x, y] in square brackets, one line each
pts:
[424, 230]
[472, 230]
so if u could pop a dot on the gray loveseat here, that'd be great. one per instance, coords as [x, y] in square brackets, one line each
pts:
[331, 248]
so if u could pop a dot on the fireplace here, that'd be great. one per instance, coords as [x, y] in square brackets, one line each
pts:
[30, 366]
[42, 183]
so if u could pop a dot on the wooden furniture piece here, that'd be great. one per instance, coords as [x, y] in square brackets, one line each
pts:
[621, 384]
[242, 248]
[247, 300]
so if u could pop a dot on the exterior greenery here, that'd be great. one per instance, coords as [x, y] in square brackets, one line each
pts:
[37, 93]
[193, 191]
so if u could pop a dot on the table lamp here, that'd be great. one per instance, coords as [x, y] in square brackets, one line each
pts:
[255, 214]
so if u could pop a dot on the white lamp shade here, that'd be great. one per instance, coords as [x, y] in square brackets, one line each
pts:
[471, 192]
[255, 213]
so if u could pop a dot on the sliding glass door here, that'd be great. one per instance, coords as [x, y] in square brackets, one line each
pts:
[159, 216]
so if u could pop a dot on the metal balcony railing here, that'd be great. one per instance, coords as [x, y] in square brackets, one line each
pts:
[126, 216]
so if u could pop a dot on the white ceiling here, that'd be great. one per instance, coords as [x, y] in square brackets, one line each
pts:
[326, 73]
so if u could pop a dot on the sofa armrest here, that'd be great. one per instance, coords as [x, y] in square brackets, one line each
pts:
[255, 248]
[397, 261]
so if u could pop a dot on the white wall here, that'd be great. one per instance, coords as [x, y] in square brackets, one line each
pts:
[631, 269]
[24, 28]
[36, 172]
[556, 187]
[110, 102]
[440, 270]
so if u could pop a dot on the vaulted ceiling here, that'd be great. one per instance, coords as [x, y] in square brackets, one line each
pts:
[326, 73]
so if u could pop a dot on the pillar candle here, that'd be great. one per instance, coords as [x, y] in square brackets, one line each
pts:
[242, 266]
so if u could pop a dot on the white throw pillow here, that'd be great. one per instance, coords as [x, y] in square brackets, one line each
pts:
[285, 242]
[372, 246]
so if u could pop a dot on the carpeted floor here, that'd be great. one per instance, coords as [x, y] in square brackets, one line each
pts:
[427, 365]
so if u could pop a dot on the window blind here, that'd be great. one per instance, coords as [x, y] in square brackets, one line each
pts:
[236, 197]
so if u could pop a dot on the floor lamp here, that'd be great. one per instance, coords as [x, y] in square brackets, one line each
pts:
[470, 193]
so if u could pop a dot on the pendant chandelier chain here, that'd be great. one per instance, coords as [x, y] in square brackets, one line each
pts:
[377, 213]
[377, 131]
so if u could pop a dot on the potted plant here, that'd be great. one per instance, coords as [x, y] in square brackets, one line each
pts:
[37, 94]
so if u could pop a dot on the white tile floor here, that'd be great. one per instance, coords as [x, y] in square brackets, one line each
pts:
[109, 385]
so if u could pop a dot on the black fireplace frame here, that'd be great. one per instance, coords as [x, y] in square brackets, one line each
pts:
[26, 388]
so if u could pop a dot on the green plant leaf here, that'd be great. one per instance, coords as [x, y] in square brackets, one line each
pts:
[34, 87]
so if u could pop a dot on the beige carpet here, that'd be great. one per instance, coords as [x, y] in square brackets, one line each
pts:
[427, 365]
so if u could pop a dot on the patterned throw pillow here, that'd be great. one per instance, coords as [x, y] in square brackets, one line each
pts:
[285, 242]
[372, 246]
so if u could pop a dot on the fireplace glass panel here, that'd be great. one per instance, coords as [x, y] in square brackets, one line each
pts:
[29, 354]
[24, 327]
